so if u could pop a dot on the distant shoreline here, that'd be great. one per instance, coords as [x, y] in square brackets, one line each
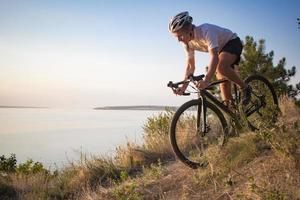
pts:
[144, 107]
[136, 108]
[23, 107]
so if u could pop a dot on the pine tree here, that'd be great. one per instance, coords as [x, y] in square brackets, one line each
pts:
[254, 60]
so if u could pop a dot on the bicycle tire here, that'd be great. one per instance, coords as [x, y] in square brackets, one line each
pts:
[174, 131]
[271, 105]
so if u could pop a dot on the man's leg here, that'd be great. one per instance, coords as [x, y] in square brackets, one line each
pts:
[225, 89]
[224, 68]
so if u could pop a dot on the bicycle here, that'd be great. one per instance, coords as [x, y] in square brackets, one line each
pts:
[200, 122]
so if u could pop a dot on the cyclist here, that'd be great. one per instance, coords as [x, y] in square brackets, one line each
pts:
[224, 47]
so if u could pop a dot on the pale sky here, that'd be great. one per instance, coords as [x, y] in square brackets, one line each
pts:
[84, 54]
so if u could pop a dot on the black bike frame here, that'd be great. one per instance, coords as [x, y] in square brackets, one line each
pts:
[204, 95]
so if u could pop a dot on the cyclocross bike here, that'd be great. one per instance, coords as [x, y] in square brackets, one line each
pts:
[200, 122]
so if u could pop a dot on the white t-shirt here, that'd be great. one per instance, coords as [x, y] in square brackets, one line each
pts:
[208, 36]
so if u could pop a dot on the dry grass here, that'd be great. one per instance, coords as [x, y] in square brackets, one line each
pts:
[290, 112]
[248, 167]
[260, 165]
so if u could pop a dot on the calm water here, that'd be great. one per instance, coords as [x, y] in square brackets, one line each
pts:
[57, 136]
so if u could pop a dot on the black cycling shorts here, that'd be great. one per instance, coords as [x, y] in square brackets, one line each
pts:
[235, 47]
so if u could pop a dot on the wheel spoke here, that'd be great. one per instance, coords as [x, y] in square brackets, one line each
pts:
[189, 141]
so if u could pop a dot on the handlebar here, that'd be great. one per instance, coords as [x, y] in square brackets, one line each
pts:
[174, 86]
[194, 79]
[191, 78]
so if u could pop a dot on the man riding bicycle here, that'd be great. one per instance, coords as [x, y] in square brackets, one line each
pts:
[224, 47]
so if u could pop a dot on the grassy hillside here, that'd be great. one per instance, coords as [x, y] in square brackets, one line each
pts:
[257, 165]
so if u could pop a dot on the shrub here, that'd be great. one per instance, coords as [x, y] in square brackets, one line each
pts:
[30, 167]
[156, 134]
[8, 164]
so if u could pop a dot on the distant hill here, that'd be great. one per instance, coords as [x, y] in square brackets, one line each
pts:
[144, 107]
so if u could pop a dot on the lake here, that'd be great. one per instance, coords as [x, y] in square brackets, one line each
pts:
[57, 136]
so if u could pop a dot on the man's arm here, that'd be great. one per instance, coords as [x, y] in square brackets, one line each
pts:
[190, 67]
[211, 68]
[212, 65]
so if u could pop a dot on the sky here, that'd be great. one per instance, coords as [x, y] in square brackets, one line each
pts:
[84, 54]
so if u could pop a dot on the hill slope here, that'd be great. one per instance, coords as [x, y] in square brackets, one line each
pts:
[256, 165]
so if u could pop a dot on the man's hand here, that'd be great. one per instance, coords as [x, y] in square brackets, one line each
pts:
[202, 84]
[180, 90]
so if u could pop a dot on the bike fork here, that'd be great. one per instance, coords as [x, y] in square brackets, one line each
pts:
[201, 117]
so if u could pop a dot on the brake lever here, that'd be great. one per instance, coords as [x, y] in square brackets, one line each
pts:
[170, 84]
[184, 94]
[174, 87]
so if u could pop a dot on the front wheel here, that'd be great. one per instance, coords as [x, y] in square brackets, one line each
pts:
[263, 106]
[188, 139]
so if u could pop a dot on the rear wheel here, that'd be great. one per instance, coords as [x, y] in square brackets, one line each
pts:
[263, 106]
[187, 137]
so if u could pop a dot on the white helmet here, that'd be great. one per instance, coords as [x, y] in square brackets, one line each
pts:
[179, 20]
